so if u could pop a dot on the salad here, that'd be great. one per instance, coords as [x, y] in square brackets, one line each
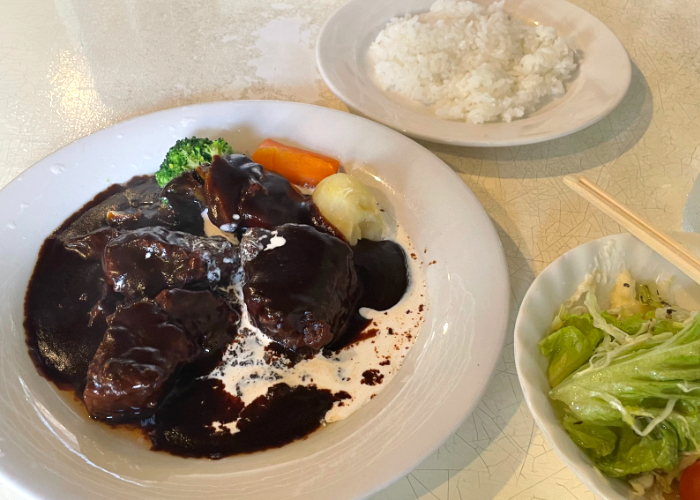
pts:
[625, 383]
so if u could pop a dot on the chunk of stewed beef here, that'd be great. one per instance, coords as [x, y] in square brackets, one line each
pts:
[210, 321]
[141, 350]
[138, 191]
[143, 262]
[178, 208]
[92, 245]
[300, 284]
[240, 194]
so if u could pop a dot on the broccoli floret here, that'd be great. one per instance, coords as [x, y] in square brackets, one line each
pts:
[188, 154]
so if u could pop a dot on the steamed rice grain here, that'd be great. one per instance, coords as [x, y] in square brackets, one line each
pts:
[471, 63]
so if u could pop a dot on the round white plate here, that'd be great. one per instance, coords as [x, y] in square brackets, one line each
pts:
[553, 287]
[49, 450]
[600, 83]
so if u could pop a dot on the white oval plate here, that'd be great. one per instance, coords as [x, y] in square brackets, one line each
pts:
[600, 83]
[50, 450]
[553, 287]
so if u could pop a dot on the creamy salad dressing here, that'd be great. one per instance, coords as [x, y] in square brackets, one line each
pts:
[609, 271]
[249, 368]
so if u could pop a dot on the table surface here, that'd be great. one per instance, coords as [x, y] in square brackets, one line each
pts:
[71, 67]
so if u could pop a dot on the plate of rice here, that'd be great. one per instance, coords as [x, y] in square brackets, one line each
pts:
[474, 73]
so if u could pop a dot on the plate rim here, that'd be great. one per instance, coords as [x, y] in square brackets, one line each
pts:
[419, 133]
[500, 263]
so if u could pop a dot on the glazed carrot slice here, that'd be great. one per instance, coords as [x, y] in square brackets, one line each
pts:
[299, 166]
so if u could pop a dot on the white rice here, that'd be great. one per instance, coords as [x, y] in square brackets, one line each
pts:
[471, 63]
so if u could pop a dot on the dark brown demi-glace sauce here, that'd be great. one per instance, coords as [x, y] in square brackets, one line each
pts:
[62, 329]
[69, 300]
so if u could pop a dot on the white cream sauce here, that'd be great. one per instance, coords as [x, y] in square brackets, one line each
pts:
[248, 371]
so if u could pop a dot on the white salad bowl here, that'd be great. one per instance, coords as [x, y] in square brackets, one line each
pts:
[50, 450]
[553, 287]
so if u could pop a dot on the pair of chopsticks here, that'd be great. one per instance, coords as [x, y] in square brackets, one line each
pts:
[660, 242]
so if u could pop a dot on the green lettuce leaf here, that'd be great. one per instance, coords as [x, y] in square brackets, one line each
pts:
[630, 325]
[636, 405]
[649, 295]
[665, 325]
[597, 440]
[635, 454]
[634, 378]
[633, 324]
[685, 419]
[570, 347]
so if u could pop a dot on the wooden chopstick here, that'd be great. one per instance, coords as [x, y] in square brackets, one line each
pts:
[659, 241]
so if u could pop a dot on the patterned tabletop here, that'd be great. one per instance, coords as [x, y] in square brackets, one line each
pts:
[71, 67]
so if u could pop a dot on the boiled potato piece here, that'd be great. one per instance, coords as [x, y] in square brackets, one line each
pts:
[352, 209]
